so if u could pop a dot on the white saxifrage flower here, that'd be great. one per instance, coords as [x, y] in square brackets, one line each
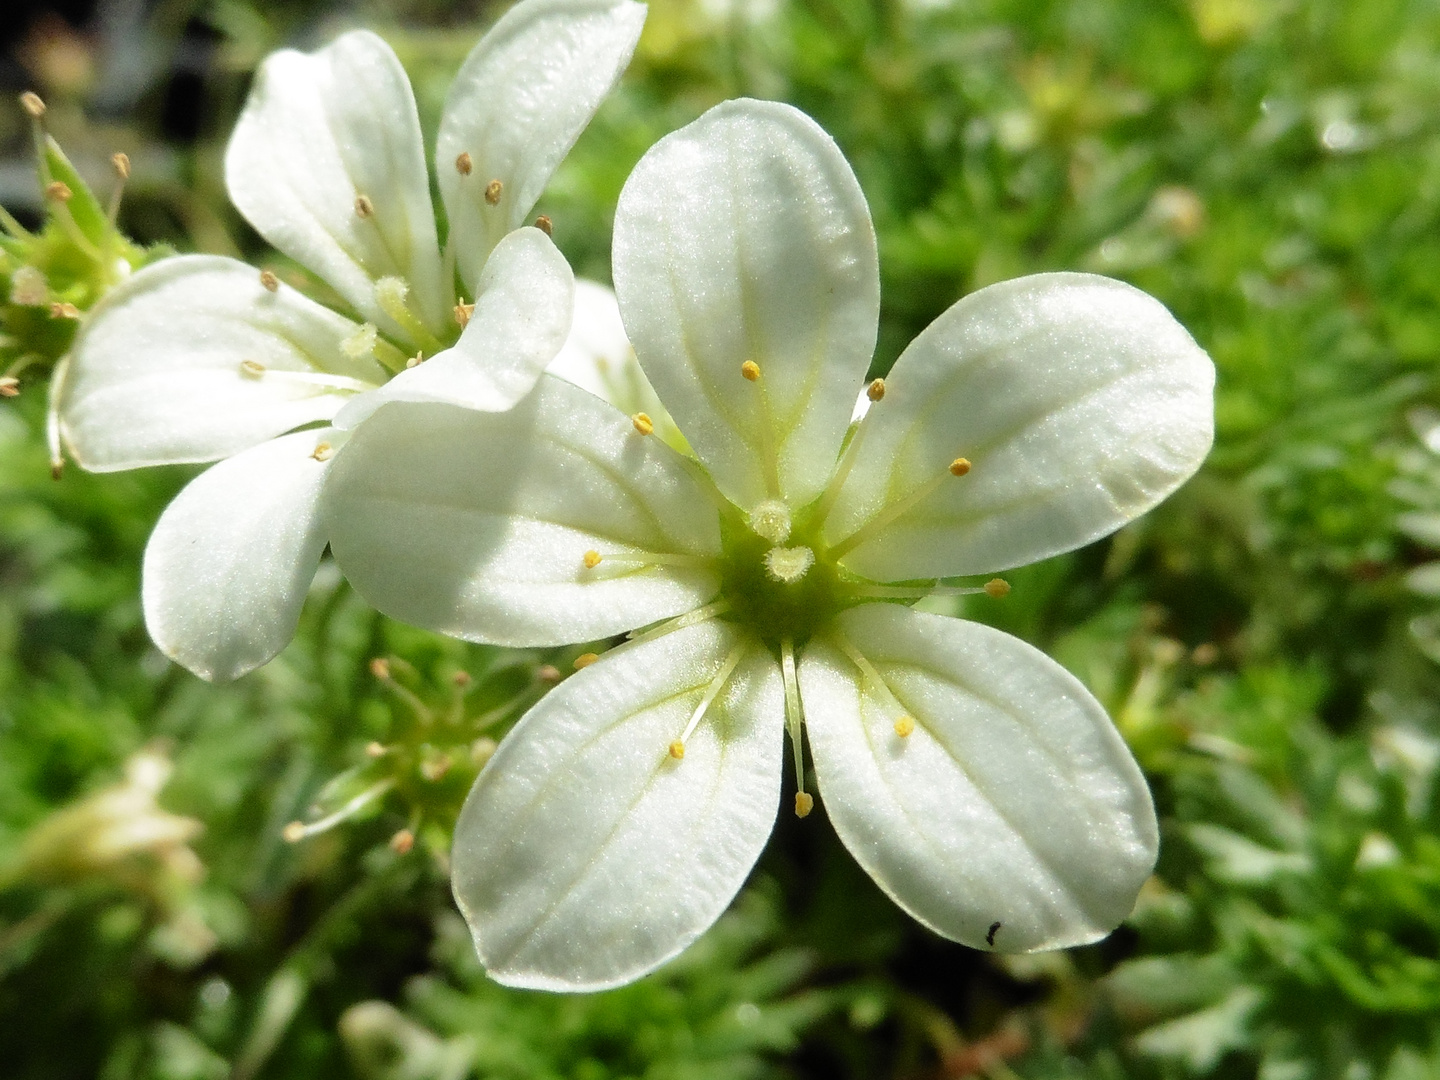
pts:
[201, 358]
[977, 781]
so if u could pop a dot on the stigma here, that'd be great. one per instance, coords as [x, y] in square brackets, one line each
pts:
[771, 519]
[788, 565]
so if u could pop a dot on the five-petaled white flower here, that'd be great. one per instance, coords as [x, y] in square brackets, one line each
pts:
[200, 358]
[975, 779]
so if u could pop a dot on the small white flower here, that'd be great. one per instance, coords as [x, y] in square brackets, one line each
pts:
[976, 780]
[201, 358]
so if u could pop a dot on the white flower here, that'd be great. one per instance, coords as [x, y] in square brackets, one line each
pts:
[201, 358]
[977, 781]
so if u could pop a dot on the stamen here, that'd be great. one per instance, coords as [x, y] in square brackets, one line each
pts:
[269, 281]
[64, 311]
[771, 519]
[297, 831]
[9, 386]
[323, 452]
[464, 164]
[463, 313]
[121, 164]
[711, 693]
[403, 842]
[252, 369]
[643, 424]
[52, 416]
[904, 723]
[33, 105]
[677, 750]
[629, 559]
[492, 192]
[997, 588]
[794, 722]
[750, 371]
[876, 390]
[545, 225]
[592, 559]
[904, 726]
[363, 206]
[392, 295]
[585, 659]
[959, 467]
[59, 191]
[789, 565]
[916, 592]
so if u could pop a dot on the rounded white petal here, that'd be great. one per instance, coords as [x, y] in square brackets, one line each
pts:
[319, 131]
[1079, 401]
[1014, 801]
[745, 237]
[192, 359]
[477, 524]
[521, 99]
[228, 564]
[586, 855]
[521, 320]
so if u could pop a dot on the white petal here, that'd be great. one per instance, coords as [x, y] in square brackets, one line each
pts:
[586, 855]
[156, 375]
[477, 524]
[520, 101]
[228, 564]
[742, 237]
[320, 130]
[1014, 800]
[521, 320]
[1080, 402]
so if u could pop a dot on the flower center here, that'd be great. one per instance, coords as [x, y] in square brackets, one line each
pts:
[776, 579]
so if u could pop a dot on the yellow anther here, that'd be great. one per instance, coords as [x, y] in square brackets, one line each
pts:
[402, 842]
[64, 311]
[434, 769]
[904, 726]
[997, 587]
[643, 424]
[33, 105]
[876, 390]
[592, 560]
[252, 369]
[9, 386]
[293, 833]
[363, 206]
[268, 281]
[960, 466]
[323, 452]
[548, 673]
[492, 192]
[380, 667]
[545, 225]
[463, 313]
[58, 190]
[416, 360]
[585, 659]
[375, 750]
[750, 370]
[804, 803]
[121, 164]
[461, 679]
[677, 749]
[463, 163]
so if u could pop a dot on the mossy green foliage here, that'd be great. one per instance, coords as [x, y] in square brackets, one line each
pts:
[1270, 170]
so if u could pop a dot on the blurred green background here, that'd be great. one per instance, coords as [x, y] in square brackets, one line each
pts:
[1270, 169]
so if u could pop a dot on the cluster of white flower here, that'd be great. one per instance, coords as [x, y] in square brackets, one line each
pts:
[763, 536]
